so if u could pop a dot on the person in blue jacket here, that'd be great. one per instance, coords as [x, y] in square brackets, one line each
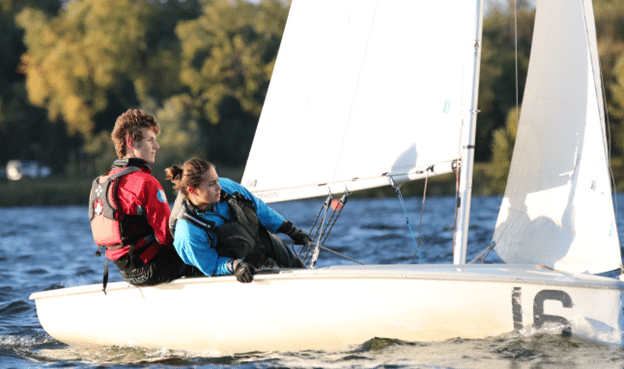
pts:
[222, 228]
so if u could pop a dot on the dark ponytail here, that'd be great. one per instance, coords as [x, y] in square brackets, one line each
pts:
[174, 173]
[189, 175]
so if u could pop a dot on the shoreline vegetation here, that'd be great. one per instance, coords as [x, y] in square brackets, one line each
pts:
[60, 191]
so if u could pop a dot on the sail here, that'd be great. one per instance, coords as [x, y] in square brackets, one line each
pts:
[558, 208]
[364, 91]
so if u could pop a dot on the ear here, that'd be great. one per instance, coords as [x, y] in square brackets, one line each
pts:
[130, 143]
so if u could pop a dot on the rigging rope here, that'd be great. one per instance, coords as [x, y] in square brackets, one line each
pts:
[397, 188]
[341, 255]
[422, 211]
[337, 206]
[323, 230]
[483, 254]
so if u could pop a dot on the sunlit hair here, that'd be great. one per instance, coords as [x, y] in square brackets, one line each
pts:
[129, 124]
[190, 174]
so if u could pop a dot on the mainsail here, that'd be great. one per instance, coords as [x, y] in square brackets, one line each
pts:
[353, 101]
[558, 207]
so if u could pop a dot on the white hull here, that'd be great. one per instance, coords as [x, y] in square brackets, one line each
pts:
[332, 308]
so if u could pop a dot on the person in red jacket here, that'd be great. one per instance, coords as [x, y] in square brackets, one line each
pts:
[129, 211]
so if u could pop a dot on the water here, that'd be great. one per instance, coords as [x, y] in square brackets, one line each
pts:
[42, 248]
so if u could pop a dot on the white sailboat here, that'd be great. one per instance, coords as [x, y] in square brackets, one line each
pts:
[377, 92]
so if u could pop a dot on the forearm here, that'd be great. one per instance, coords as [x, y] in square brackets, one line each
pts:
[300, 237]
[195, 248]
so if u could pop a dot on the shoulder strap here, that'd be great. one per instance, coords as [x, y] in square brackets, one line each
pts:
[100, 190]
[240, 198]
[194, 218]
[123, 172]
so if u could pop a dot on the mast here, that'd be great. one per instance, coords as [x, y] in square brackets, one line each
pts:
[467, 148]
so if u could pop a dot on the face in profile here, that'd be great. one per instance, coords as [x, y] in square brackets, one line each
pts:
[146, 148]
[208, 192]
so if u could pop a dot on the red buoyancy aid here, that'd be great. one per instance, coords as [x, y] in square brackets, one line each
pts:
[109, 225]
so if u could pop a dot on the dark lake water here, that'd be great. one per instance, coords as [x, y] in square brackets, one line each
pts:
[42, 248]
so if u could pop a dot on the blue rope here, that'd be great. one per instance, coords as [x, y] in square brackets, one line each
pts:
[409, 224]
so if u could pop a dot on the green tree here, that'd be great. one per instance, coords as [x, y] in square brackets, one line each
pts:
[610, 29]
[503, 140]
[229, 51]
[77, 58]
[24, 130]
[610, 32]
[617, 103]
[181, 136]
[502, 71]
[228, 55]
[97, 58]
[159, 78]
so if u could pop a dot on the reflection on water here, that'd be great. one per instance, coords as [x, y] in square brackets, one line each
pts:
[45, 248]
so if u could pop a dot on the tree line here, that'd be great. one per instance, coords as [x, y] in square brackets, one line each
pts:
[68, 68]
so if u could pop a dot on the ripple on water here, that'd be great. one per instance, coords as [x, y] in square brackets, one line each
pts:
[14, 307]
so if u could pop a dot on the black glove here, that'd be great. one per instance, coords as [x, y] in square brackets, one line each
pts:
[241, 270]
[297, 235]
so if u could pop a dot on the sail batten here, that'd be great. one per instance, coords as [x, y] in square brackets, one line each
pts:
[558, 206]
[361, 88]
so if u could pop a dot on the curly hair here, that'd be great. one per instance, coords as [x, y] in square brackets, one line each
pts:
[190, 174]
[130, 124]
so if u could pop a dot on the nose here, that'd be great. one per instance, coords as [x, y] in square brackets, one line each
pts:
[156, 145]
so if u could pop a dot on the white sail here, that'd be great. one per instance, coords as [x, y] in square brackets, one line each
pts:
[558, 207]
[362, 90]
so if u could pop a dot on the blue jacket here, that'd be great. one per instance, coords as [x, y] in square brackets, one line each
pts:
[197, 246]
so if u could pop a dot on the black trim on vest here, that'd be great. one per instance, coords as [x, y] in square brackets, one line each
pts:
[130, 162]
[192, 217]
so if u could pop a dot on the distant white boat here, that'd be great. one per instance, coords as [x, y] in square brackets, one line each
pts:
[368, 93]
